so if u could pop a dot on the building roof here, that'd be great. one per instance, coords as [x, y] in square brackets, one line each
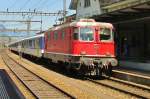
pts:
[125, 11]
[73, 4]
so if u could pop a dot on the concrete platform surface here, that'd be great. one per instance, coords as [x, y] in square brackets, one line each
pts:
[132, 75]
[135, 65]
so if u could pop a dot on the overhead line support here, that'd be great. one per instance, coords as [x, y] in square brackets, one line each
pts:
[31, 13]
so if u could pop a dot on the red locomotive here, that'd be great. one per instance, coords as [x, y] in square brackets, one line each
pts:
[84, 46]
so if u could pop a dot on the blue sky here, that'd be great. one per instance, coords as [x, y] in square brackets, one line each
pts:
[25, 5]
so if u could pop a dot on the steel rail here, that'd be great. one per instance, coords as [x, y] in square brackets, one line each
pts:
[65, 93]
[119, 89]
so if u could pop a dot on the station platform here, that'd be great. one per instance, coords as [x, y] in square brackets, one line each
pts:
[8, 89]
[136, 65]
[136, 72]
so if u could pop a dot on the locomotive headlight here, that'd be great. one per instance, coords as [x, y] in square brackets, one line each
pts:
[83, 52]
[108, 54]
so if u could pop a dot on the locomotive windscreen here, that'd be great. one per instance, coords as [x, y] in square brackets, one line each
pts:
[86, 34]
[105, 34]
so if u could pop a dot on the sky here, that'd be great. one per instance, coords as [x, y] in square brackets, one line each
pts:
[26, 5]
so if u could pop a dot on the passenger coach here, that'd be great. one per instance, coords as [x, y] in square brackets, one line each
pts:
[33, 46]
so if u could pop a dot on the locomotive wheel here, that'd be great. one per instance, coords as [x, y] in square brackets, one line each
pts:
[97, 70]
[81, 71]
[68, 68]
[108, 70]
[100, 70]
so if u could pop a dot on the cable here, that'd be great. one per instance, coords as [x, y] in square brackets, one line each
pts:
[25, 4]
[37, 3]
[52, 4]
[41, 4]
[13, 4]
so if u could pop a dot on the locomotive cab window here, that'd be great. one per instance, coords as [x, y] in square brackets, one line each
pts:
[105, 34]
[86, 34]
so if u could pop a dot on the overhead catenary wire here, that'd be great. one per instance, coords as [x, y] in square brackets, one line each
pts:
[35, 5]
[42, 3]
[45, 3]
[53, 3]
[25, 4]
[15, 2]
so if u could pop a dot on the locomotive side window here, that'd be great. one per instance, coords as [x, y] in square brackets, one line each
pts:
[55, 35]
[63, 34]
[86, 34]
[49, 35]
[76, 34]
[105, 34]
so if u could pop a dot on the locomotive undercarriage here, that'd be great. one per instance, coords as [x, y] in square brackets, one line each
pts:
[93, 66]
[84, 65]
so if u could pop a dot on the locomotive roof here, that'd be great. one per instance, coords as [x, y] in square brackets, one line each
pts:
[36, 36]
[82, 23]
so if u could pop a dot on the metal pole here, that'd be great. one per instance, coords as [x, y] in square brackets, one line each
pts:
[64, 12]
[28, 27]
[41, 23]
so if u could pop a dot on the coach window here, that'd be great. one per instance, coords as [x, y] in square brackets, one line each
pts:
[24, 44]
[76, 34]
[55, 35]
[30, 43]
[105, 34]
[38, 42]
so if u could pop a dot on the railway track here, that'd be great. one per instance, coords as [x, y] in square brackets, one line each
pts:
[36, 85]
[123, 87]
[87, 87]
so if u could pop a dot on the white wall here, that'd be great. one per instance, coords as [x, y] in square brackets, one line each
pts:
[83, 12]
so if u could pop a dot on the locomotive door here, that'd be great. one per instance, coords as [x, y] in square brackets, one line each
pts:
[96, 41]
[70, 39]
